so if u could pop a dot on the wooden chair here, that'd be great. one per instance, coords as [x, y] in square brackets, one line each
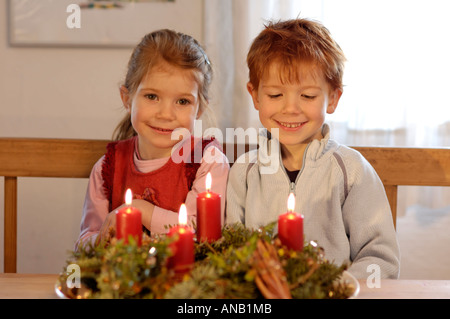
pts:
[29, 157]
[408, 167]
[74, 158]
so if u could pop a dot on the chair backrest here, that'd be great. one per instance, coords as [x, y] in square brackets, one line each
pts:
[408, 167]
[34, 157]
[74, 158]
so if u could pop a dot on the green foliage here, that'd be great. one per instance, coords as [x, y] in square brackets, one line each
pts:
[223, 269]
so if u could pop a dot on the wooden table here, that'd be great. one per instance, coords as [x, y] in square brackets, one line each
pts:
[38, 286]
[406, 289]
[27, 286]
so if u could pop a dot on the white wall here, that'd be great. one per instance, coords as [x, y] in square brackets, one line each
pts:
[59, 93]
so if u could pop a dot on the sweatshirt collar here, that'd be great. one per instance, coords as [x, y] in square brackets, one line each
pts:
[315, 149]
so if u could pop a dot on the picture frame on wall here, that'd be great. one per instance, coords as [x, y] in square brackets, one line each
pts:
[98, 23]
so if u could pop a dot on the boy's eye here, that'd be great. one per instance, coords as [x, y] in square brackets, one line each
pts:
[183, 101]
[309, 97]
[274, 96]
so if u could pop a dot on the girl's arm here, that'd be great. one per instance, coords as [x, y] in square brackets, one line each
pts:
[219, 172]
[96, 206]
[97, 220]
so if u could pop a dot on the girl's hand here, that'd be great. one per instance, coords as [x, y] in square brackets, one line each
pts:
[108, 223]
[146, 209]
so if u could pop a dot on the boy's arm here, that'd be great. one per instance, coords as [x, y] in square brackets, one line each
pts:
[368, 220]
[236, 193]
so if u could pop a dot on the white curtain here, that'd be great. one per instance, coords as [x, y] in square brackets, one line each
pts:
[230, 26]
[396, 76]
[395, 94]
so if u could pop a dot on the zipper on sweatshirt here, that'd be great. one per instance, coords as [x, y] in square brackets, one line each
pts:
[293, 184]
[292, 188]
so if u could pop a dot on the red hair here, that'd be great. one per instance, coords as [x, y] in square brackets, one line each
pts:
[292, 42]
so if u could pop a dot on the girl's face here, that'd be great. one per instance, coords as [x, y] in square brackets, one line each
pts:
[296, 108]
[166, 99]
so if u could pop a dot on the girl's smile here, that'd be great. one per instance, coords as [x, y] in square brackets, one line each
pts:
[162, 131]
[166, 99]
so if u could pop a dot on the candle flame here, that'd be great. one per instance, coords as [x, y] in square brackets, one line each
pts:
[128, 197]
[208, 182]
[291, 216]
[291, 202]
[182, 215]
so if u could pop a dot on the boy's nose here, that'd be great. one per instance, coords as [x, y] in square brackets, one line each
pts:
[291, 105]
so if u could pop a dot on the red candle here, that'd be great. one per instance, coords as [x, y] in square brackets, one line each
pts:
[129, 221]
[182, 247]
[290, 227]
[209, 220]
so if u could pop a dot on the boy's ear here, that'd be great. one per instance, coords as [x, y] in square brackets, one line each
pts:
[254, 93]
[125, 96]
[333, 100]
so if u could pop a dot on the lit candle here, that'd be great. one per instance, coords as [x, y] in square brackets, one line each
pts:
[182, 247]
[209, 220]
[129, 221]
[290, 227]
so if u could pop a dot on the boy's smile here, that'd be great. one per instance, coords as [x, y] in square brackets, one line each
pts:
[290, 126]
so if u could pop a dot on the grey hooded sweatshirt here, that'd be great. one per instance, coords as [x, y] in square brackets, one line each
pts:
[338, 192]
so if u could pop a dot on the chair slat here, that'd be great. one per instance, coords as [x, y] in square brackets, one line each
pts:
[410, 166]
[10, 225]
[49, 157]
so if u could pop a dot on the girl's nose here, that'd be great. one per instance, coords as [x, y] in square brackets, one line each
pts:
[166, 111]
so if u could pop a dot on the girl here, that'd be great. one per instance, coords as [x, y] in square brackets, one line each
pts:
[166, 89]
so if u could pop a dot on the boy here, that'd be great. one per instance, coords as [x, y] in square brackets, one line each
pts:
[296, 72]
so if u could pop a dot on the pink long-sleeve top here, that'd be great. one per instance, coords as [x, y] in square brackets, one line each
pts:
[96, 205]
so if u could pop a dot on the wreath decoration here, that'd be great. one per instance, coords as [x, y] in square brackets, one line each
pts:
[243, 264]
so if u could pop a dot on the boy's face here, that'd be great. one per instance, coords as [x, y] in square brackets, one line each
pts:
[296, 108]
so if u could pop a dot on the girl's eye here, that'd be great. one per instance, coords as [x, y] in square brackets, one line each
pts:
[309, 97]
[183, 101]
[152, 97]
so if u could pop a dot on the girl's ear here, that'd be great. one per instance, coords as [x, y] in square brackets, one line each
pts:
[202, 109]
[125, 96]
[199, 113]
[333, 100]
[254, 93]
